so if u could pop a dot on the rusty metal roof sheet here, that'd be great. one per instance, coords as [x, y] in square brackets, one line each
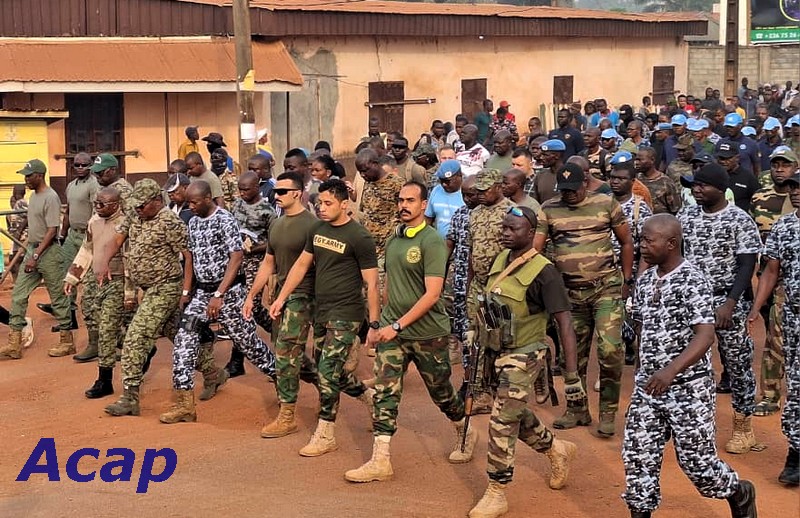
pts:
[140, 60]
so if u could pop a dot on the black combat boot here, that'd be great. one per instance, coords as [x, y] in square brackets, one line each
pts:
[73, 325]
[640, 514]
[46, 308]
[743, 501]
[102, 387]
[791, 470]
[146, 364]
[235, 365]
[724, 385]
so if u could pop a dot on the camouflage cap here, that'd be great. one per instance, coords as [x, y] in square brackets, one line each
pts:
[629, 147]
[144, 191]
[486, 178]
[685, 141]
[783, 153]
[423, 149]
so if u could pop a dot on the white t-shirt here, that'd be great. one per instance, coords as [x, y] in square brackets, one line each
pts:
[473, 159]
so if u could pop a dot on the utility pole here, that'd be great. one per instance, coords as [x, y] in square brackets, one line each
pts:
[245, 80]
[731, 47]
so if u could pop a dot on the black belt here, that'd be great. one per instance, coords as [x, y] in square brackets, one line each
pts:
[213, 286]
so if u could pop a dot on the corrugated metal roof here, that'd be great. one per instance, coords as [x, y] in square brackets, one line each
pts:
[146, 60]
[435, 9]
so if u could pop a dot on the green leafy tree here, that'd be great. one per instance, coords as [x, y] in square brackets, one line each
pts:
[658, 6]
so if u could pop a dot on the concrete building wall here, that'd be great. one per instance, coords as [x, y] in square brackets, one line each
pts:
[760, 64]
[518, 70]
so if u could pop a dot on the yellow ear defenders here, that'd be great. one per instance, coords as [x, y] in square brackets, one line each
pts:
[408, 232]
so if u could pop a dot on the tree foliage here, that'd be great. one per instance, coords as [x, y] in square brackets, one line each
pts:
[658, 6]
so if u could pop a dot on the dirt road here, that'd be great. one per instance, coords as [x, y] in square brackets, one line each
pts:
[226, 469]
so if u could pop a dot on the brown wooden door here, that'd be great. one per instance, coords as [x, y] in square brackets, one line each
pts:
[473, 93]
[390, 116]
[94, 126]
[562, 89]
[663, 84]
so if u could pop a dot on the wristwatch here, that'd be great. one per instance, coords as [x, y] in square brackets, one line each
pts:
[185, 293]
[375, 324]
[218, 294]
[35, 257]
[397, 327]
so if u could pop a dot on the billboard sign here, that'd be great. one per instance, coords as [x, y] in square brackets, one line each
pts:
[774, 21]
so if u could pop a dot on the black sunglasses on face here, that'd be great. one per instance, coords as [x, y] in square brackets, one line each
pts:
[101, 204]
[281, 192]
[81, 166]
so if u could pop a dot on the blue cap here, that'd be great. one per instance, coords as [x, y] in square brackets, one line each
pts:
[749, 131]
[691, 125]
[733, 119]
[553, 145]
[663, 126]
[701, 124]
[678, 120]
[448, 168]
[621, 157]
[772, 123]
[609, 133]
[793, 121]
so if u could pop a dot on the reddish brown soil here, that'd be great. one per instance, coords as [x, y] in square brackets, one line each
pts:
[226, 469]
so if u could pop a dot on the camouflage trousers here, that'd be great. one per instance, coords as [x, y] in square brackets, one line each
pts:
[291, 362]
[772, 360]
[737, 348]
[158, 305]
[433, 364]
[250, 266]
[109, 309]
[242, 332]
[686, 413]
[332, 343]
[790, 418]
[88, 302]
[515, 370]
[597, 312]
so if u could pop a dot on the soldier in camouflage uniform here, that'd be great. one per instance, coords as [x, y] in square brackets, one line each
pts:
[413, 327]
[343, 253]
[673, 392]
[156, 237]
[682, 166]
[768, 205]
[664, 193]
[378, 202]
[109, 299]
[227, 178]
[580, 225]
[721, 240]
[214, 255]
[532, 289]
[783, 265]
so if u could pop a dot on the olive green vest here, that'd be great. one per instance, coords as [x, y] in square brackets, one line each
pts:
[529, 329]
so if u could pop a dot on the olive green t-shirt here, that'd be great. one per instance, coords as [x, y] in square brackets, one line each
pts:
[340, 253]
[287, 240]
[408, 262]
[44, 211]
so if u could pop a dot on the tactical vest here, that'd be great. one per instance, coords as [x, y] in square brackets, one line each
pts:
[529, 330]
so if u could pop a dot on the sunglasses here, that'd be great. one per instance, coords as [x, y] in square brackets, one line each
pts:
[399, 146]
[281, 192]
[516, 211]
[142, 206]
[81, 166]
[102, 204]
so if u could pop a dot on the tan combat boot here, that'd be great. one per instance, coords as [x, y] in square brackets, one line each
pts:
[212, 383]
[560, 455]
[457, 456]
[65, 345]
[743, 438]
[323, 441]
[606, 428]
[13, 349]
[493, 503]
[379, 467]
[183, 409]
[577, 414]
[127, 404]
[283, 425]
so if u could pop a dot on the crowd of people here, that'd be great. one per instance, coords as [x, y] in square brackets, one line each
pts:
[636, 232]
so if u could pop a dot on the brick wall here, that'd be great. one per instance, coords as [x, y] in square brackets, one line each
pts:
[759, 64]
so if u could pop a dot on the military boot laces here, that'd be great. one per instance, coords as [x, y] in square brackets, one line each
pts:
[323, 441]
[743, 438]
[560, 454]
[13, 349]
[577, 414]
[378, 468]
[283, 425]
[182, 411]
[127, 404]
[540, 388]
[492, 504]
[65, 346]
[457, 456]
[743, 501]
